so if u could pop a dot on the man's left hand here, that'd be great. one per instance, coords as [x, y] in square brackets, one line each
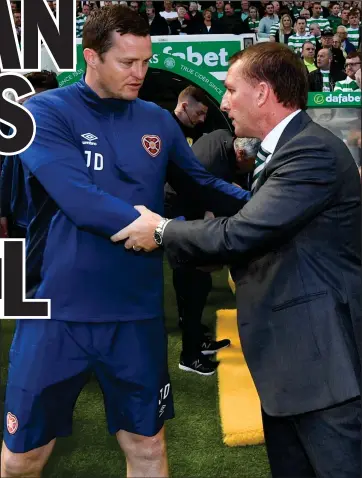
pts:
[140, 233]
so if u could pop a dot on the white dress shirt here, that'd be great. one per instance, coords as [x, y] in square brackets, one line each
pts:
[271, 139]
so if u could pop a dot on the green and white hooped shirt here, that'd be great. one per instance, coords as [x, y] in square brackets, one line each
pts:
[353, 36]
[347, 86]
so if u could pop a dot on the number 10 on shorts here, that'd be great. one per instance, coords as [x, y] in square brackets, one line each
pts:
[13, 301]
[164, 393]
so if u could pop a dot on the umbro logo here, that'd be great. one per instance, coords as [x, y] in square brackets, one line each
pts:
[90, 139]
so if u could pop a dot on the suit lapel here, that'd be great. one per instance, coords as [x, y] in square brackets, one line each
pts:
[298, 123]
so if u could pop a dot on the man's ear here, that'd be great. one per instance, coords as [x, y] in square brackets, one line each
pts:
[239, 153]
[263, 91]
[91, 57]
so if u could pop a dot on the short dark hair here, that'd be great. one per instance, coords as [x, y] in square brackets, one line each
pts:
[354, 54]
[197, 94]
[101, 23]
[44, 79]
[280, 67]
[353, 13]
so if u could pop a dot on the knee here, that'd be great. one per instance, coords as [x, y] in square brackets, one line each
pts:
[28, 464]
[146, 448]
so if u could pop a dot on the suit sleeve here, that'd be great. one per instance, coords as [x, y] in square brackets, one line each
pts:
[187, 175]
[294, 193]
[58, 163]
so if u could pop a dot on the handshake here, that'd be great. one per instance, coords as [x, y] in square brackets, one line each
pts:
[140, 234]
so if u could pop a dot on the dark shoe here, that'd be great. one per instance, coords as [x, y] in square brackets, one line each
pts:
[210, 347]
[201, 365]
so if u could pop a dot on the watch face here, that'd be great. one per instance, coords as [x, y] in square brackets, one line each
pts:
[158, 238]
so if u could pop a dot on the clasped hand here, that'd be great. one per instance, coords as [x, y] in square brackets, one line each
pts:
[139, 235]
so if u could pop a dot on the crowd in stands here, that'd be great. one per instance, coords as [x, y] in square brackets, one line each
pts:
[326, 35]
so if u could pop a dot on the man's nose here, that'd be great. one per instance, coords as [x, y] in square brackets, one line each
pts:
[224, 106]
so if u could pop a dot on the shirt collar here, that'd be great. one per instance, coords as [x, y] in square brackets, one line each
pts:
[102, 105]
[271, 140]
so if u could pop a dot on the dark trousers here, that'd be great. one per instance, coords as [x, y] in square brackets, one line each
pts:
[192, 288]
[323, 444]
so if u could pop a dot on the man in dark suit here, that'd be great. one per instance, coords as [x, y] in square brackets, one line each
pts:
[295, 252]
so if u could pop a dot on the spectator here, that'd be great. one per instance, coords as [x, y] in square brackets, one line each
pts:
[338, 57]
[245, 7]
[231, 23]
[353, 31]
[308, 56]
[157, 24]
[317, 17]
[146, 4]
[51, 6]
[347, 46]
[297, 9]
[323, 79]
[314, 30]
[338, 44]
[334, 18]
[353, 64]
[284, 32]
[17, 23]
[295, 42]
[180, 26]
[219, 13]
[267, 21]
[195, 17]
[262, 7]
[253, 19]
[306, 5]
[208, 26]
[276, 6]
[344, 17]
[135, 6]
[81, 19]
[305, 14]
[168, 13]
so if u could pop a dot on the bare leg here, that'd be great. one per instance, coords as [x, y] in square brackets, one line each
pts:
[25, 465]
[146, 456]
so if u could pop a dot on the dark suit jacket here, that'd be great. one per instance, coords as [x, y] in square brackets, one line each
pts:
[159, 25]
[201, 29]
[295, 252]
[315, 79]
[176, 28]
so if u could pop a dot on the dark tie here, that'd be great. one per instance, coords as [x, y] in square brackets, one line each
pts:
[259, 165]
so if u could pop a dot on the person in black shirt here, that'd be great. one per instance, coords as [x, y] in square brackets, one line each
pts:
[222, 155]
[190, 112]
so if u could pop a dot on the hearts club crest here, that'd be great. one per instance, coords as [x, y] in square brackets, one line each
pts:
[11, 423]
[152, 144]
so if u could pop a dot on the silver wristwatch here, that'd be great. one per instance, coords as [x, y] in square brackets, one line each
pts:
[158, 234]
